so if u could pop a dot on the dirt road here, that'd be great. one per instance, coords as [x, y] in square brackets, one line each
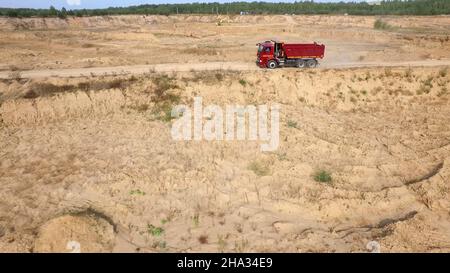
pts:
[180, 67]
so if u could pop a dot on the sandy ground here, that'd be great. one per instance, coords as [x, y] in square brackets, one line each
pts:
[87, 162]
[36, 44]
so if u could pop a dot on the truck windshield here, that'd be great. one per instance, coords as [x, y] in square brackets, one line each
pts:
[260, 48]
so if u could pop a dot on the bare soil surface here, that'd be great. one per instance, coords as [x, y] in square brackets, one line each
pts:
[183, 67]
[50, 43]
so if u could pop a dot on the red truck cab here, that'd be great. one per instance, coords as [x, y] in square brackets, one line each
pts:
[265, 53]
[272, 54]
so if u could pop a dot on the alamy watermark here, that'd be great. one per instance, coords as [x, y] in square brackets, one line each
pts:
[73, 246]
[235, 122]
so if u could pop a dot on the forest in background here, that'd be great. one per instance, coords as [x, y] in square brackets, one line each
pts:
[393, 7]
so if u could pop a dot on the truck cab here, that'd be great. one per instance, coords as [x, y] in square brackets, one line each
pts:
[266, 52]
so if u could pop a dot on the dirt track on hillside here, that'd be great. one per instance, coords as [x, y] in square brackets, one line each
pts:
[184, 67]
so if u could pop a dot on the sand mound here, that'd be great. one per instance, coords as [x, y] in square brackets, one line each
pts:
[75, 234]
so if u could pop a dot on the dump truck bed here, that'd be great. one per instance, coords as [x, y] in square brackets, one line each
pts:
[296, 51]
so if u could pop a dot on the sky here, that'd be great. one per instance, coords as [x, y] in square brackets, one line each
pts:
[89, 4]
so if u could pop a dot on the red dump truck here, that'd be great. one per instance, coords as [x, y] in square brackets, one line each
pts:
[273, 54]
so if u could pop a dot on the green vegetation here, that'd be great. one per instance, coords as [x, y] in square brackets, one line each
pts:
[387, 72]
[259, 168]
[155, 231]
[292, 124]
[322, 176]
[222, 243]
[38, 89]
[137, 192]
[219, 76]
[408, 73]
[164, 96]
[428, 82]
[393, 7]
[380, 24]
[423, 89]
[196, 220]
[163, 83]
[163, 112]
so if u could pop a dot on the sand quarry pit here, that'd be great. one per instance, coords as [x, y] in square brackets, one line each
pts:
[88, 164]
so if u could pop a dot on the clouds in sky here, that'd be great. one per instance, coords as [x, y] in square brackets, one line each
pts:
[74, 2]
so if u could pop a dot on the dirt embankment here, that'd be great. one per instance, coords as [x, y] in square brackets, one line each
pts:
[437, 22]
[92, 161]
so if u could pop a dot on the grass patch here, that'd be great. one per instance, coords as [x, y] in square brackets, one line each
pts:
[155, 231]
[163, 83]
[49, 89]
[196, 220]
[137, 192]
[382, 25]
[164, 97]
[388, 72]
[292, 124]
[219, 76]
[221, 242]
[163, 111]
[142, 108]
[259, 168]
[242, 82]
[443, 72]
[322, 176]
[428, 81]
[426, 86]
[408, 73]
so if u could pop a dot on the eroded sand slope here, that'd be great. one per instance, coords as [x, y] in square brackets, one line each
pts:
[92, 160]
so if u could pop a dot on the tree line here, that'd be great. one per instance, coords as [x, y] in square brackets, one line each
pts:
[387, 7]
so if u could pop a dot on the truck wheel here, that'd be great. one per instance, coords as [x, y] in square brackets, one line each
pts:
[311, 63]
[272, 64]
[301, 63]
